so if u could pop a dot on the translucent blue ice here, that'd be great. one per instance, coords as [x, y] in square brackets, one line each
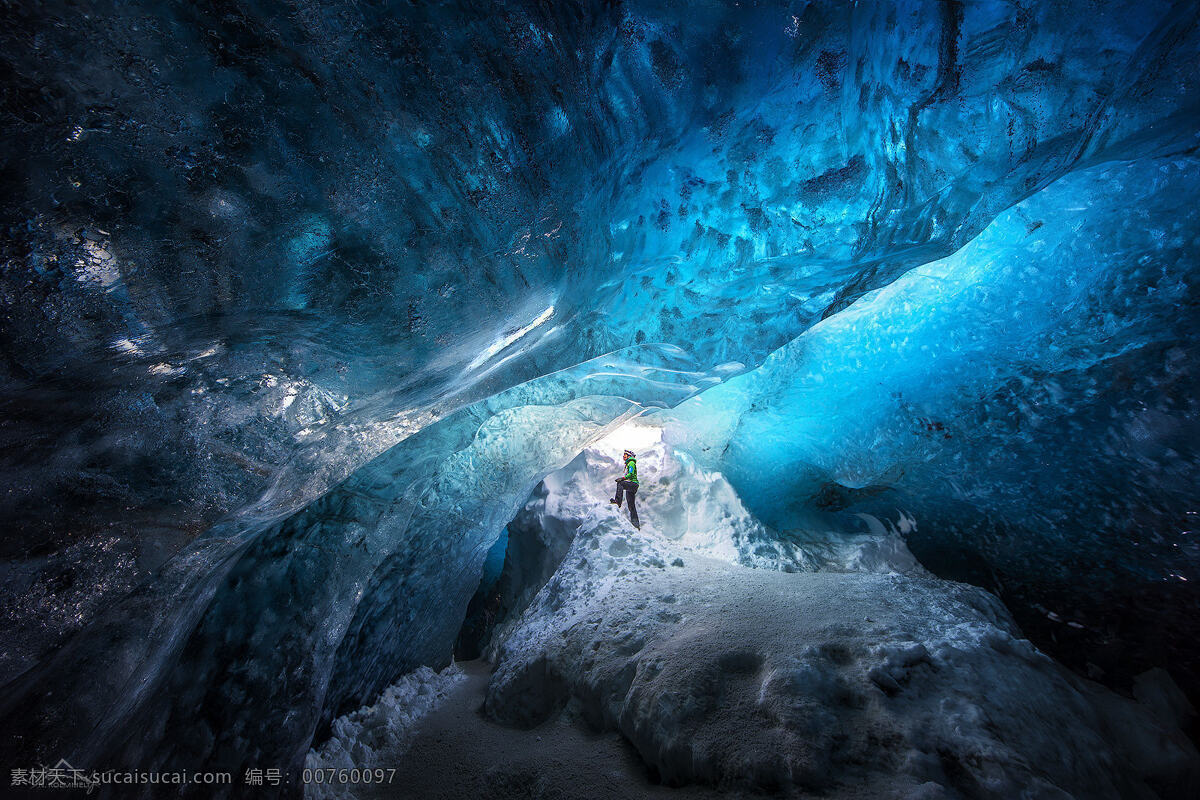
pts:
[300, 300]
[967, 374]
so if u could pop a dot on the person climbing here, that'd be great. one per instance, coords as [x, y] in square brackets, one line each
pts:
[628, 485]
[491, 610]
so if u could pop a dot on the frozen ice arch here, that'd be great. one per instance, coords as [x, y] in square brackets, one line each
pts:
[302, 301]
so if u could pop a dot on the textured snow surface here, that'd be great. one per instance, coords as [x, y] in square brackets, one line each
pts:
[895, 683]
[358, 738]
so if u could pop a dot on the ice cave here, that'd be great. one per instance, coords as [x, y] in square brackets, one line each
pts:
[331, 328]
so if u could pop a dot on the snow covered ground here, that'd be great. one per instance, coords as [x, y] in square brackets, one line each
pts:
[358, 738]
[730, 659]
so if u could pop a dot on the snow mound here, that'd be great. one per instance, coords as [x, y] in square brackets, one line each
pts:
[878, 682]
[358, 738]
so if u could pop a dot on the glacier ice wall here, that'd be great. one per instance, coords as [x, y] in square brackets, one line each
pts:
[1032, 398]
[270, 624]
[1098, 267]
[258, 257]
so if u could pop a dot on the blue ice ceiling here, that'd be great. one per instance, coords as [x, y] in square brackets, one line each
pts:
[1038, 376]
[272, 271]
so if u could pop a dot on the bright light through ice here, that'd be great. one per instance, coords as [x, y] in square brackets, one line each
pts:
[508, 339]
[637, 435]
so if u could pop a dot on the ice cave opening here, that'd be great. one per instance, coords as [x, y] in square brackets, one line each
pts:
[324, 327]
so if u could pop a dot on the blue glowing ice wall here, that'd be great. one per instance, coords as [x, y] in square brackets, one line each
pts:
[1040, 376]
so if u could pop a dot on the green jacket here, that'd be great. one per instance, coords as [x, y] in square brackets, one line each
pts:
[631, 470]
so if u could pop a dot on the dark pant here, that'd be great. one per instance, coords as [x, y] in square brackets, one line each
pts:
[629, 488]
